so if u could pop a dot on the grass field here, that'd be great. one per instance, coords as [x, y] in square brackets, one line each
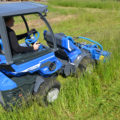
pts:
[95, 96]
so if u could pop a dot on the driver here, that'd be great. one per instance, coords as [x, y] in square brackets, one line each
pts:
[13, 38]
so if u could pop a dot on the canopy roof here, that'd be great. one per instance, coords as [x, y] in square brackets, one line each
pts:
[18, 8]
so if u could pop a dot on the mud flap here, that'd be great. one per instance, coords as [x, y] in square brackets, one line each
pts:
[39, 81]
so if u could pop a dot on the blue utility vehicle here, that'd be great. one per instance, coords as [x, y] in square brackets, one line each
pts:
[32, 73]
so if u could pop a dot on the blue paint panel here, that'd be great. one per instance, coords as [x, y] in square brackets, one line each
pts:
[2, 59]
[6, 83]
[40, 60]
[105, 53]
[70, 48]
[46, 71]
[68, 44]
[73, 55]
[34, 65]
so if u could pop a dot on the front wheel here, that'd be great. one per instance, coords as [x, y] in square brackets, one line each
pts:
[85, 66]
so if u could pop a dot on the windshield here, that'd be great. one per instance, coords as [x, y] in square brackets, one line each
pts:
[34, 22]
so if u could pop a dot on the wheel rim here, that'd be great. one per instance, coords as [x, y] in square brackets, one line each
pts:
[52, 95]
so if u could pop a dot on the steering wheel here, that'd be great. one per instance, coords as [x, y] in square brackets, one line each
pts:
[32, 38]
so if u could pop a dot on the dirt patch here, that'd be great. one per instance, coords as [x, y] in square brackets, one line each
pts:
[61, 18]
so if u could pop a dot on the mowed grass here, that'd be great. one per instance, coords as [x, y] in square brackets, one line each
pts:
[93, 96]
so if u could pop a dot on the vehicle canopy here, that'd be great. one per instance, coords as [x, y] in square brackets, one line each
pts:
[15, 9]
[18, 8]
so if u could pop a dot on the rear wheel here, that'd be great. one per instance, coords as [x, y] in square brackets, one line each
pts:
[48, 91]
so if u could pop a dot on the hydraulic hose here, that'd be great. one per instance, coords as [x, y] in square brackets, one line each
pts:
[80, 37]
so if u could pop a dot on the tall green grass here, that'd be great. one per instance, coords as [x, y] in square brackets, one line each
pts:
[103, 4]
[93, 96]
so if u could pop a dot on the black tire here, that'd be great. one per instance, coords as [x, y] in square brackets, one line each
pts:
[45, 88]
[1, 100]
[86, 65]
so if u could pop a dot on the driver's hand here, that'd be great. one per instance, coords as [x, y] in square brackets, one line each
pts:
[32, 31]
[36, 46]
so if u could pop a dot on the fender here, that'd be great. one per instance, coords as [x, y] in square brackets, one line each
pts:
[6, 83]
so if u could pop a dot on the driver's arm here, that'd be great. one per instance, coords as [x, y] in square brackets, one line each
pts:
[15, 45]
[21, 36]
